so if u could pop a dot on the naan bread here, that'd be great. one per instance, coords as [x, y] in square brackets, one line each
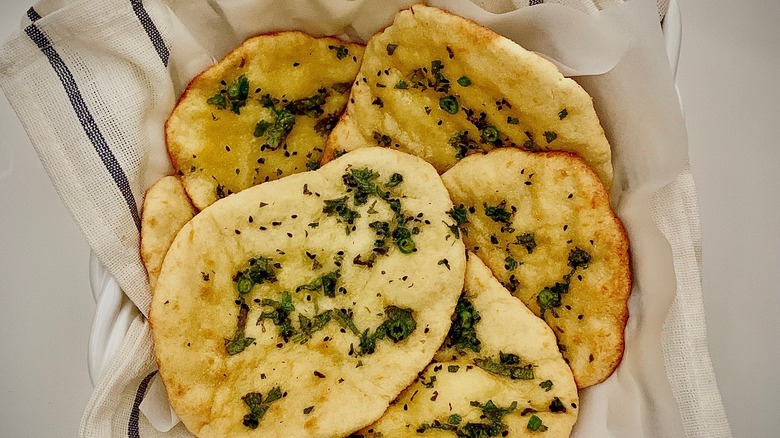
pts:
[542, 223]
[517, 368]
[442, 87]
[356, 257]
[261, 113]
[166, 209]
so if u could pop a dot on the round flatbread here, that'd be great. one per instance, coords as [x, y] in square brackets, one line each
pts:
[543, 224]
[484, 379]
[166, 209]
[442, 87]
[303, 306]
[261, 113]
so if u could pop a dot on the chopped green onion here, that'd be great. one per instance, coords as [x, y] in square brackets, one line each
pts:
[244, 285]
[490, 134]
[449, 104]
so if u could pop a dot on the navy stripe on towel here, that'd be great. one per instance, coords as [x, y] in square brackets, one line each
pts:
[151, 30]
[85, 117]
[140, 393]
[33, 15]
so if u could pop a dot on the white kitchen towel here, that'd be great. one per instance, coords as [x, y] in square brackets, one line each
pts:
[93, 82]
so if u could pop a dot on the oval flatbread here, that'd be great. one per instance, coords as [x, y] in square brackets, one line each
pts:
[442, 87]
[261, 113]
[166, 209]
[542, 223]
[499, 373]
[303, 306]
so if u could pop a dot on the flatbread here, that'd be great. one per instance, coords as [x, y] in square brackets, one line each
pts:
[316, 242]
[543, 224]
[166, 209]
[443, 87]
[533, 380]
[288, 90]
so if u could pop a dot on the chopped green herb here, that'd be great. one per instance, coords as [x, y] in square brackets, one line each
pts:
[402, 238]
[312, 165]
[512, 120]
[218, 100]
[449, 104]
[453, 368]
[339, 207]
[507, 366]
[268, 101]
[498, 213]
[261, 127]
[280, 315]
[510, 264]
[283, 124]
[463, 144]
[562, 114]
[259, 406]
[402, 85]
[535, 424]
[550, 136]
[491, 427]
[310, 106]
[550, 297]
[463, 333]
[341, 51]
[395, 179]
[398, 325]
[326, 283]
[260, 270]
[391, 49]
[307, 411]
[578, 258]
[308, 327]
[344, 318]
[527, 240]
[239, 341]
[459, 214]
[362, 180]
[547, 385]
[464, 81]
[235, 95]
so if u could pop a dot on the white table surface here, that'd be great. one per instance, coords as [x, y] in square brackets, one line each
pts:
[729, 79]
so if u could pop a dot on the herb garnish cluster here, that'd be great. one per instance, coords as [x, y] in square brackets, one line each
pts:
[434, 77]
